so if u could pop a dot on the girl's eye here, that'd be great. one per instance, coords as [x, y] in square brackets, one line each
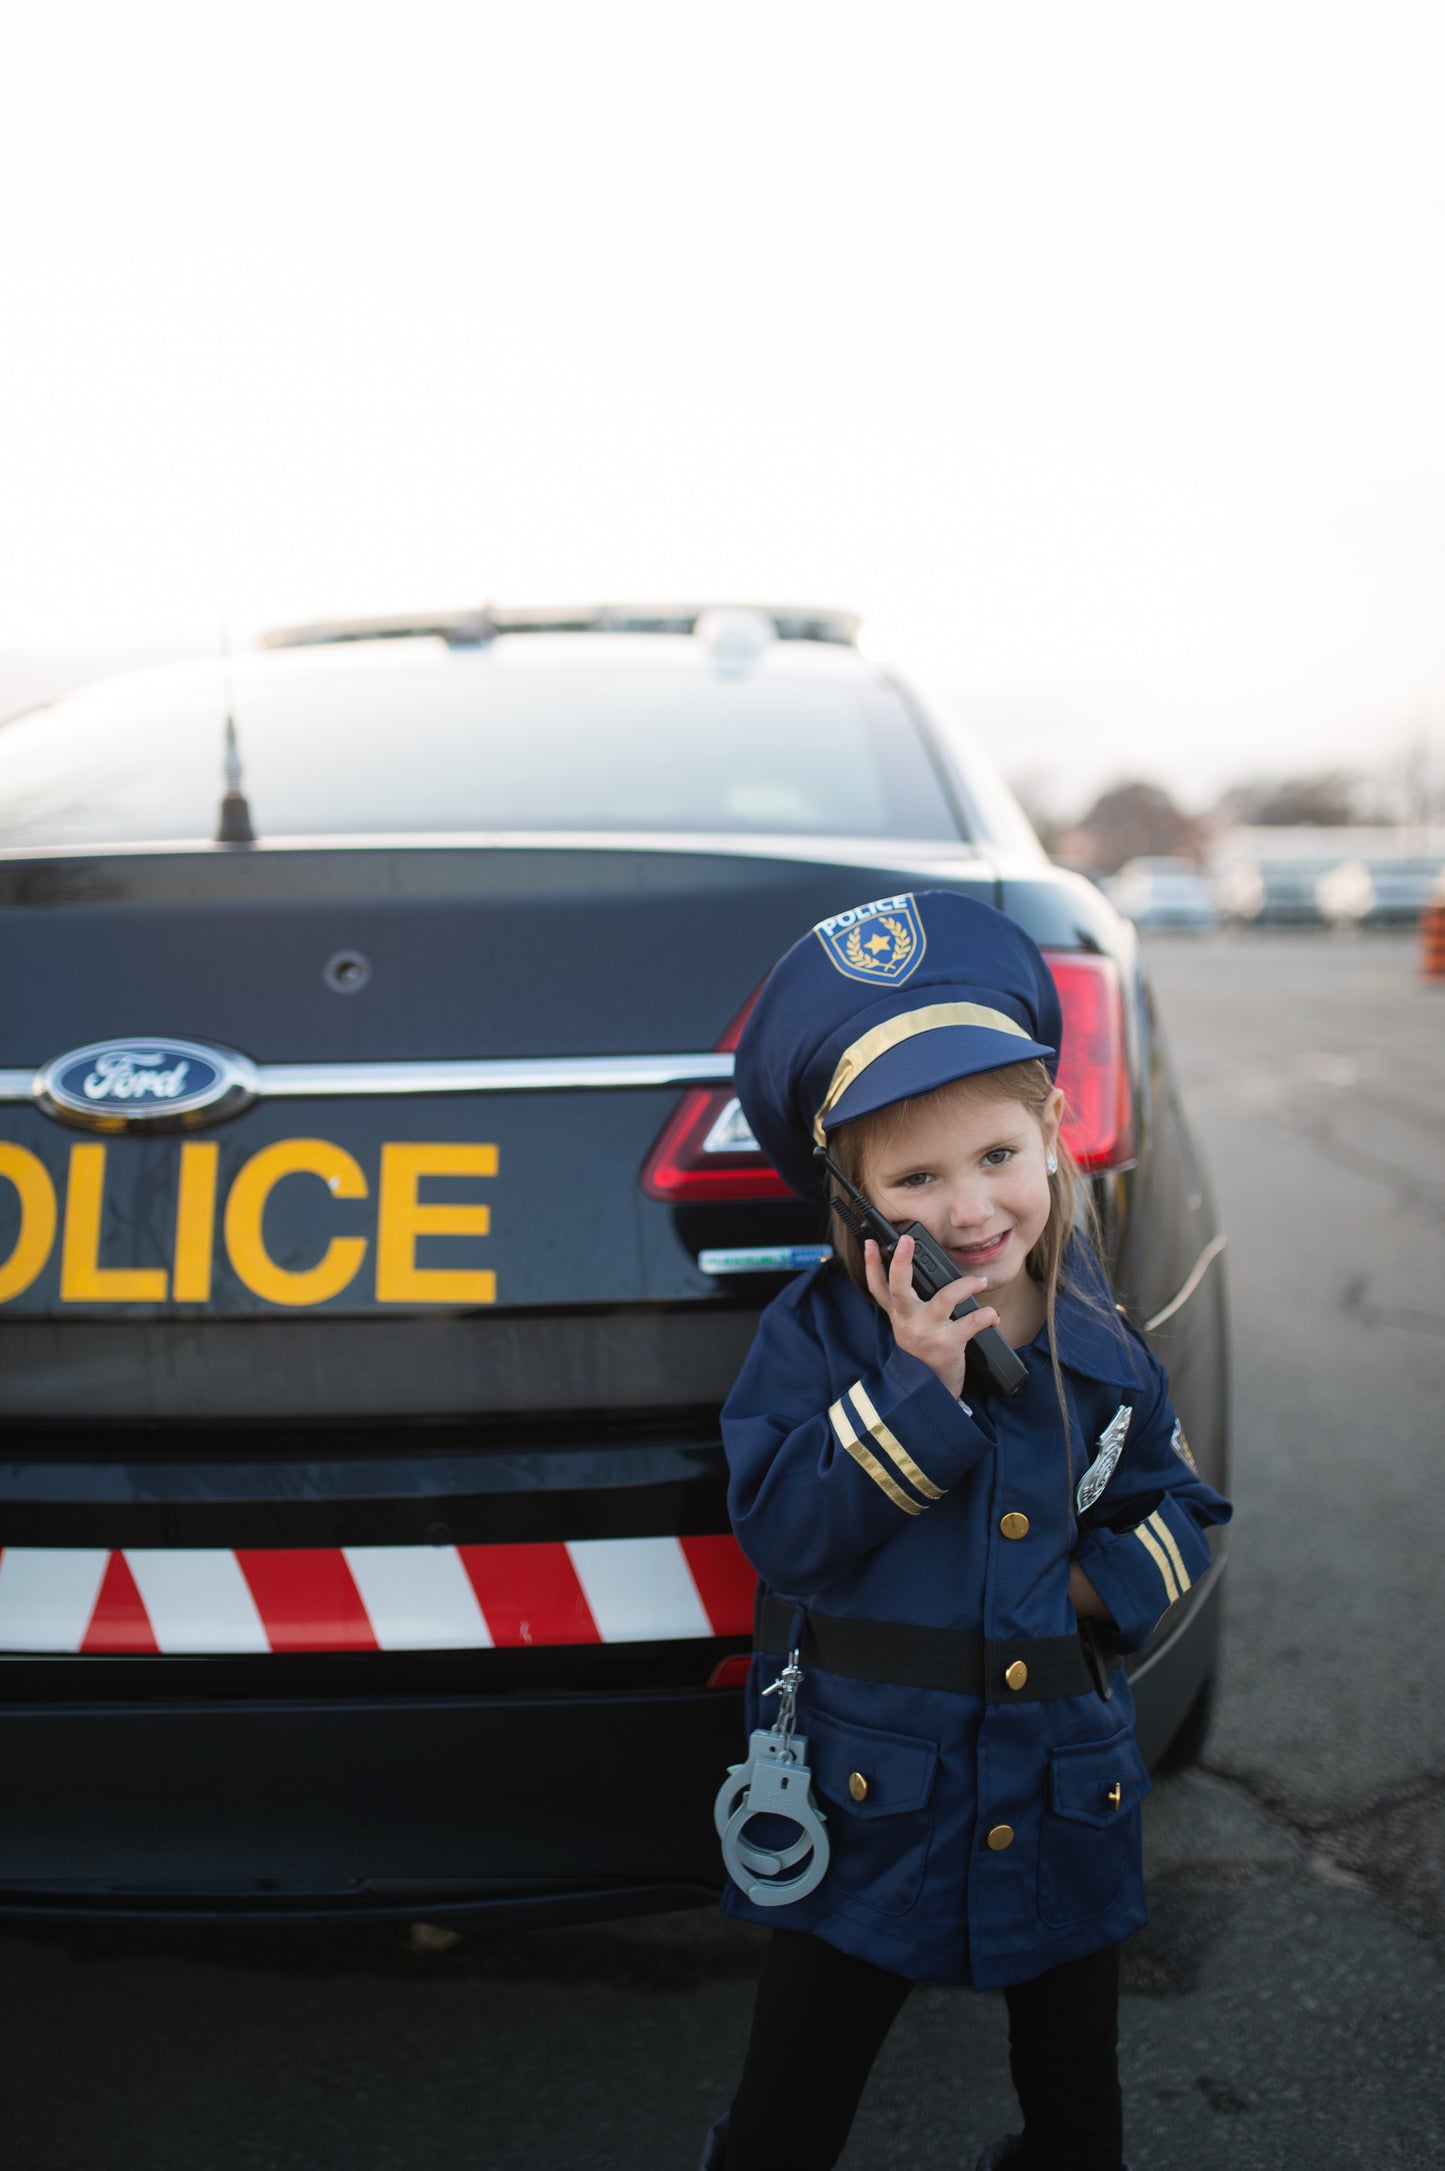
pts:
[997, 1156]
[915, 1182]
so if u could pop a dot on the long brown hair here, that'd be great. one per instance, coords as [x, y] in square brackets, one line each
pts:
[857, 1145]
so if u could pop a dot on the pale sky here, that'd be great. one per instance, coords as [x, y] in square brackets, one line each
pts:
[1096, 353]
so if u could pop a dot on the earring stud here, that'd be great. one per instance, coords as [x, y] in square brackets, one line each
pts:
[1052, 1164]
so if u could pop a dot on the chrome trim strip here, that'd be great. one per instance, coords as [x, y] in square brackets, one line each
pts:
[523, 1074]
[502, 1074]
[1201, 1267]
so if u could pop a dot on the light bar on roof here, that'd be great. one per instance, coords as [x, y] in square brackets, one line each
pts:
[470, 628]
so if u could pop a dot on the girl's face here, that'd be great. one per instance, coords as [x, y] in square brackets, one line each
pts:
[973, 1170]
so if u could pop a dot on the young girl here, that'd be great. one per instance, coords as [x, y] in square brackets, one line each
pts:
[931, 1546]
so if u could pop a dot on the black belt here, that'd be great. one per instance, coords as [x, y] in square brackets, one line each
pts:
[940, 1658]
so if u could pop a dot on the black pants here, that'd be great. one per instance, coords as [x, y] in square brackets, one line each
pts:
[820, 2021]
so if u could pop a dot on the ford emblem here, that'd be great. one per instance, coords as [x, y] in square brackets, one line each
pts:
[161, 1085]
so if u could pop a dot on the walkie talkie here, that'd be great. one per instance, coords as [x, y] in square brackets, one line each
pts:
[932, 1270]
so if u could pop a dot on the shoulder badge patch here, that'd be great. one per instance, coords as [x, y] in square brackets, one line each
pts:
[883, 941]
[1102, 1468]
[1181, 1446]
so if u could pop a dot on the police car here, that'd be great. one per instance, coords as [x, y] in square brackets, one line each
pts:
[379, 1236]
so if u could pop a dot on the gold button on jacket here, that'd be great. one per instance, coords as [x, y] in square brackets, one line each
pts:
[1000, 1837]
[1015, 1525]
[1016, 1675]
[858, 1786]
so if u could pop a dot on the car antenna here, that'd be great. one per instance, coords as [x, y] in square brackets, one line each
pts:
[234, 826]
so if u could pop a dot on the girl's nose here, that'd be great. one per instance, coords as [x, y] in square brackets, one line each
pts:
[969, 1207]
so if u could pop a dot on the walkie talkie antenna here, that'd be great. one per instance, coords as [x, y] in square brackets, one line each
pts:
[821, 1153]
[836, 1202]
[234, 826]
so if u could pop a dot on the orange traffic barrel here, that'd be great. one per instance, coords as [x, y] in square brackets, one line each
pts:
[1432, 941]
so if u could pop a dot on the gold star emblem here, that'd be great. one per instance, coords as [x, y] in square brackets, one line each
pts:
[876, 943]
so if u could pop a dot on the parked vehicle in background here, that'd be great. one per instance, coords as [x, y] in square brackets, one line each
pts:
[1165, 893]
[1275, 892]
[379, 1236]
[1379, 891]
[1306, 877]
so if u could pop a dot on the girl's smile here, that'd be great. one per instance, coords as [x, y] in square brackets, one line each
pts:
[973, 1169]
[984, 1253]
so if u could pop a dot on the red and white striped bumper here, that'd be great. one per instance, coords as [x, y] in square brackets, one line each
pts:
[372, 1597]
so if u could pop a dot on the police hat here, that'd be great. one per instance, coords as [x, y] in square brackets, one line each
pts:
[883, 1002]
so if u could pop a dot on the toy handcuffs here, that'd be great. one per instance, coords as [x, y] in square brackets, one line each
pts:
[773, 1780]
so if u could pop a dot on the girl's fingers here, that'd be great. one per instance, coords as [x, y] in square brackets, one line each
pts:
[975, 1323]
[900, 1269]
[972, 1323]
[967, 1285]
[873, 1270]
[892, 1288]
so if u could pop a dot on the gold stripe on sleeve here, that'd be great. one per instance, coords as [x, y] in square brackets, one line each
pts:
[867, 1460]
[891, 1445]
[1160, 1559]
[1167, 1539]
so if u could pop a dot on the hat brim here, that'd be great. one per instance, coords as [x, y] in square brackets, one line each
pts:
[929, 1060]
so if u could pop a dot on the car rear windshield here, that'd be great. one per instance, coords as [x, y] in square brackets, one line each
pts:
[329, 747]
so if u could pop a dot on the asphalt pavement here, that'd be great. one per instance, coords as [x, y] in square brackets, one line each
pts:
[1283, 2010]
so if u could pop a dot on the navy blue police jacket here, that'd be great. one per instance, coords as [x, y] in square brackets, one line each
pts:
[993, 1839]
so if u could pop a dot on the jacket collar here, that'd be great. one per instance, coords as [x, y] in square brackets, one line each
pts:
[1090, 1332]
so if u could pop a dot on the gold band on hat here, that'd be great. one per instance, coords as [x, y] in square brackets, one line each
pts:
[891, 1034]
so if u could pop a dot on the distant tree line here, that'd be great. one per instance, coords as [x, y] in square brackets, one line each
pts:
[1136, 820]
[1329, 800]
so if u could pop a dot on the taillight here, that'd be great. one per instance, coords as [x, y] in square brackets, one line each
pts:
[706, 1151]
[1098, 1126]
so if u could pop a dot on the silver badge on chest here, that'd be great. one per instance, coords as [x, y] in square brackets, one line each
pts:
[1106, 1461]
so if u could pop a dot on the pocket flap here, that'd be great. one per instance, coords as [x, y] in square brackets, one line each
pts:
[1095, 1782]
[895, 1770]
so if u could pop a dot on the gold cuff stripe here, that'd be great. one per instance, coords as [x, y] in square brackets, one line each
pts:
[891, 1034]
[867, 1460]
[891, 1445]
[1167, 1539]
[1160, 1559]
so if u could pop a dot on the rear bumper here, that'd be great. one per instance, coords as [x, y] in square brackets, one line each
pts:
[453, 1670]
[512, 1808]
[472, 1810]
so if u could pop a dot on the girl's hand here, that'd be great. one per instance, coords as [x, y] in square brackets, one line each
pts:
[1085, 1600]
[925, 1330]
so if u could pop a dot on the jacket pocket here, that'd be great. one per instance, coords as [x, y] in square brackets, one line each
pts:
[876, 1787]
[1089, 1854]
